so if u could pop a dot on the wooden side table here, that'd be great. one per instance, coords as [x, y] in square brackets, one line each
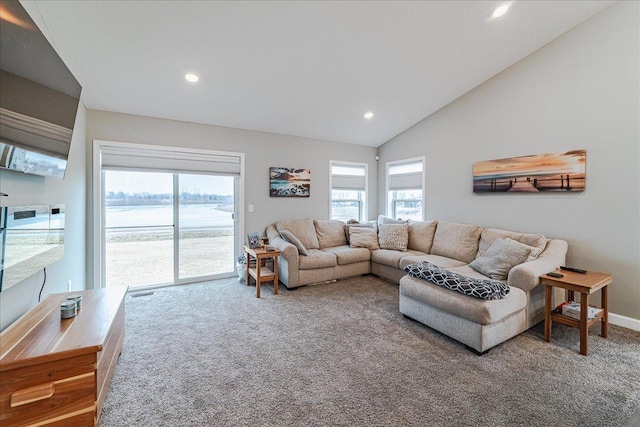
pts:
[261, 273]
[585, 284]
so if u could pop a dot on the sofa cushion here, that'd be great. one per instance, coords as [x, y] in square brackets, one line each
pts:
[347, 255]
[501, 257]
[484, 312]
[317, 259]
[391, 258]
[457, 241]
[438, 260]
[348, 227]
[303, 229]
[490, 235]
[291, 238]
[363, 237]
[330, 233]
[478, 288]
[421, 235]
[393, 236]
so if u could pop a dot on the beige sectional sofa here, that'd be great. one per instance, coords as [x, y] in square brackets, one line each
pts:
[478, 323]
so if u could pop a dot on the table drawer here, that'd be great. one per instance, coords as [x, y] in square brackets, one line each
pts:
[61, 392]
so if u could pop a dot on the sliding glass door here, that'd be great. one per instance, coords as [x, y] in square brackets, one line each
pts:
[167, 228]
[205, 218]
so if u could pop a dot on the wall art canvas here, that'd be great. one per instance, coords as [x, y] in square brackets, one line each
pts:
[557, 172]
[289, 182]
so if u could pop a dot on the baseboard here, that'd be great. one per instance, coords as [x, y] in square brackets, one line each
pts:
[624, 321]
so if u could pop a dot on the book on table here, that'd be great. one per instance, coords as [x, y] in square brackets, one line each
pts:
[572, 309]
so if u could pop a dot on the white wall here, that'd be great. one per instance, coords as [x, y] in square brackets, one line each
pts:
[30, 189]
[580, 91]
[262, 150]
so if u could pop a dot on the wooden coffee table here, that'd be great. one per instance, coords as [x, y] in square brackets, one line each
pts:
[585, 284]
[262, 273]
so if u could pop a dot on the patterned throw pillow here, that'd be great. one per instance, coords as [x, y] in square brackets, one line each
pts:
[479, 288]
[394, 236]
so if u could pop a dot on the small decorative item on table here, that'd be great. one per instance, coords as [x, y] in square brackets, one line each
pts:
[254, 240]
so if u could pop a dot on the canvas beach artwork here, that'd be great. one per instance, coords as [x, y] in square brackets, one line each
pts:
[554, 172]
[289, 182]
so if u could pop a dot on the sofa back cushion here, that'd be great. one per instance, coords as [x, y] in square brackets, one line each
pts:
[364, 237]
[421, 235]
[490, 235]
[303, 229]
[457, 241]
[330, 233]
[393, 236]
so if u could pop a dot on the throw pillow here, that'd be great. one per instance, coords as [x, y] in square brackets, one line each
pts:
[478, 288]
[394, 236]
[348, 227]
[501, 257]
[386, 220]
[363, 237]
[291, 238]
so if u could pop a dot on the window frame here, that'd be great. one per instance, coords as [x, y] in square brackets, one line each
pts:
[390, 203]
[362, 203]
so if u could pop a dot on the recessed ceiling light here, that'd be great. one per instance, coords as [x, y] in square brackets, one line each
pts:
[368, 115]
[191, 78]
[501, 10]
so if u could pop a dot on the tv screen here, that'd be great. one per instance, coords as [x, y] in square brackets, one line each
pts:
[31, 238]
[39, 97]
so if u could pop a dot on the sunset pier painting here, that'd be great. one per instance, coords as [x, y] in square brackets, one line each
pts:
[557, 172]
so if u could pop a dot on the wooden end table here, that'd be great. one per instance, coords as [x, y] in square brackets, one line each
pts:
[262, 273]
[585, 284]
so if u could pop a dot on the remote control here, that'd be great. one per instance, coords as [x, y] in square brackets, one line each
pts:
[575, 270]
[552, 274]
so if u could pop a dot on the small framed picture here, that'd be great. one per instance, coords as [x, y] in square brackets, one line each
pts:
[254, 240]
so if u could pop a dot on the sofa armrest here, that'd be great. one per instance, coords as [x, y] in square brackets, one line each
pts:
[287, 267]
[526, 276]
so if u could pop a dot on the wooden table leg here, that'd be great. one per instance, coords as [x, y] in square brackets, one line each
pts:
[604, 323]
[248, 258]
[258, 277]
[584, 325]
[547, 313]
[275, 275]
[570, 296]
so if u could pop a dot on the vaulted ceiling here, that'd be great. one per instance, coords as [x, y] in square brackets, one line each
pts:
[309, 69]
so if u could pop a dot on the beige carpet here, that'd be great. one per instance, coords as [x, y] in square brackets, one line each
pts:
[341, 354]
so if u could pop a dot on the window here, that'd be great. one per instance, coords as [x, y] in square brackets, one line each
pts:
[405, 193]
[348, 191]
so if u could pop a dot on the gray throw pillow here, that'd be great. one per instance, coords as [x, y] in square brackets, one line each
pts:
[291, 238]
[394, 236]
[501, 257]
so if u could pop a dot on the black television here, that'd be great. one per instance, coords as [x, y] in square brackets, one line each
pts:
[39, 97]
